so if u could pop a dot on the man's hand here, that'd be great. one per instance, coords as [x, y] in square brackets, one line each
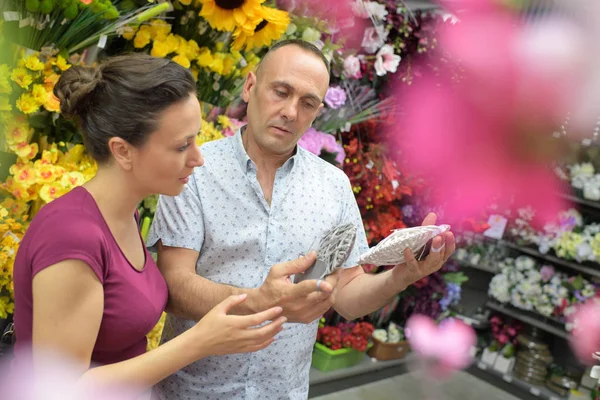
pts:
[442, 247]
[303, 302]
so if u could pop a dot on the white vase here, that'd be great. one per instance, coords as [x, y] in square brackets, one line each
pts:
[489, 357]
[504, 365]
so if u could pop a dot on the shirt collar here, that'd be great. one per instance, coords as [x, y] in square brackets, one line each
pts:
[244, 159]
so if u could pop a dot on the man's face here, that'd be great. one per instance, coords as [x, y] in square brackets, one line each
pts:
[285, 98]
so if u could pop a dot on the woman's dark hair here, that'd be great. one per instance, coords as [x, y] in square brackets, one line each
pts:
[122, 97]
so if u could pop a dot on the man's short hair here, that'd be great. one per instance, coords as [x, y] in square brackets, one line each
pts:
[300, 43]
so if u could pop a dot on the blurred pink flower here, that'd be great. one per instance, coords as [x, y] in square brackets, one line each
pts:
[585, 337]
[448, 345]
[487, 139]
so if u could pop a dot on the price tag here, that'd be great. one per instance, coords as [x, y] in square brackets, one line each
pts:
[497, 225]
[535, 391]
[507, 378]
[482, 366]
[102, 41]
[12, 16]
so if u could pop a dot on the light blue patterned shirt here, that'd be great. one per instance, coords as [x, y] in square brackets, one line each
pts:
[222, 214]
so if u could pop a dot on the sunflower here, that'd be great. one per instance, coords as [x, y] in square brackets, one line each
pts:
[272, 26]
[226, 15]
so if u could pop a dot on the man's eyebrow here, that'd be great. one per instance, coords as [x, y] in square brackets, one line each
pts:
[286, 85]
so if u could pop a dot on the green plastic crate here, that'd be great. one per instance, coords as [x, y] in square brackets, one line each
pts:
[325, 359]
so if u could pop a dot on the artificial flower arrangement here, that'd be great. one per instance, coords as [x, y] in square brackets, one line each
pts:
[568, 236]
[350, 335]
[501, 351]
[523, 284]
[583, 178]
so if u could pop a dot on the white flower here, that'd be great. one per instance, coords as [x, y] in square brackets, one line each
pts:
[386, 60]
[585, 252]
[591, 189]
[366, 9]
[373, 38]
[352, 67]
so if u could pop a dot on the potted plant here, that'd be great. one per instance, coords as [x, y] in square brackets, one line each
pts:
[389, 344]
[342, 345]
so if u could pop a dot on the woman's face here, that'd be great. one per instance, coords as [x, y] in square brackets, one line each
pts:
[165, 162]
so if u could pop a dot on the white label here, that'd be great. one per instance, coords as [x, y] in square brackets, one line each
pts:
[497, 226]
[102, 41]
[534, 391]
[482, 366]
[12, 16]
[24, 22]
[507, 378]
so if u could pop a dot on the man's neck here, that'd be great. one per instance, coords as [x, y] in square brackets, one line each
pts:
[265, 162]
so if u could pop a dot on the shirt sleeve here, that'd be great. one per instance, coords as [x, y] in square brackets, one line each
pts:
[351, 214]
[73, 236]
[178, 220]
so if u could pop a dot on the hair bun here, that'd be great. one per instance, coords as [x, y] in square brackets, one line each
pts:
[74, 85]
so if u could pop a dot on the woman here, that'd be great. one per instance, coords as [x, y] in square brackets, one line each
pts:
[85, 285]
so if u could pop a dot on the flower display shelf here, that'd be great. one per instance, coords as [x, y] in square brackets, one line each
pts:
[594, 205]
[325, 359]
[550, 325]
[591, 269]
[521, 388]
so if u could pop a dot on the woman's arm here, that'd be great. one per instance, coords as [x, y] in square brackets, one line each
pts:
[67, 312]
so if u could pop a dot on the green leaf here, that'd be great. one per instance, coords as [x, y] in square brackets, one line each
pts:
[456, 277]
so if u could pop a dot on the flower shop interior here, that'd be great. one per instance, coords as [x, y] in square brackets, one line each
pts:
[480, 111]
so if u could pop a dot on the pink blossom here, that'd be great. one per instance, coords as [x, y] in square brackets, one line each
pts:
[386, 60]
[547, 273]
[448, 344]
[315, 142]
[335, 97]
[585, 338]
[487, 139]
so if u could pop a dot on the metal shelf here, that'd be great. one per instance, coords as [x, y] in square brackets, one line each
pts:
[534, 320]
[507, 381]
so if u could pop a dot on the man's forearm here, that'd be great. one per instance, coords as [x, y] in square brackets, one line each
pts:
[366, 293]
[192, 296]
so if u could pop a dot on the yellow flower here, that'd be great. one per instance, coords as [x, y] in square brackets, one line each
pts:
[159, 29]
[192, 50]
[142, 38]
[205, 58]
[52, 103]
[128, 32]
[159, 49]
[33, 63]
[51, 191]
[185, 2]
[15, 207]
[72, 179]
[271, 28]
[39, 94]
[208, 132]
[27, 151]
[61, 63]
[21, 77]
[225, 15]
[3, 213]
[74, 155]
[217, 63]
[182, 60]
[50, 81]
[48, 173]
[27, 104]
[173, 42]
[252, 61]
[24, 175]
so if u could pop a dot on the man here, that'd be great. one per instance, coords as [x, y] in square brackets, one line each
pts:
[259, 201]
